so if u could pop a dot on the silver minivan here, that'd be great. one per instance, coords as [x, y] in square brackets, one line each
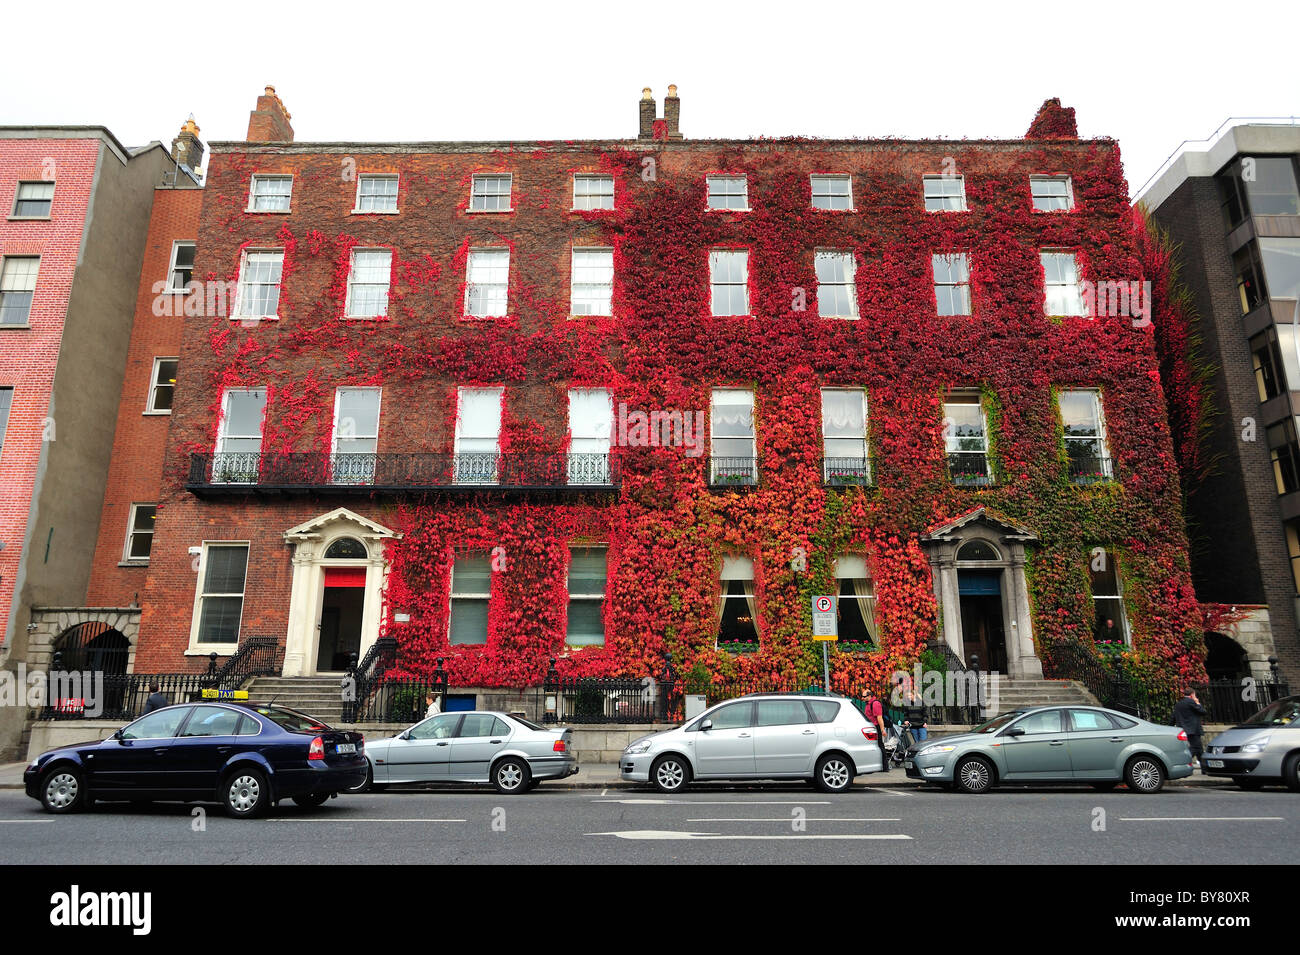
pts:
[823, 739]
[1264, 749]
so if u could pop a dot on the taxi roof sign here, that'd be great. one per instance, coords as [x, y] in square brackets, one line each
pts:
[225, 694]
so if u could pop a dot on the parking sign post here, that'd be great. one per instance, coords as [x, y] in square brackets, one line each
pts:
[824, 629]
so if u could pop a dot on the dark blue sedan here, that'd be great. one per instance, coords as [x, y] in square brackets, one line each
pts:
[247, 756]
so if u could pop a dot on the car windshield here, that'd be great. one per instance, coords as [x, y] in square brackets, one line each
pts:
[995, 724]
[1281, 713]
[291, 720]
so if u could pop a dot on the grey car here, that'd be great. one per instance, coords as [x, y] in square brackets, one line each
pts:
[1264, 749]
[823, 739]
[1055, 744]
[511, 753]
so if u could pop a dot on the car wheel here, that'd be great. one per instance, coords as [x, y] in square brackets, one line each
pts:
[64, 790]
[1250, 784]
[246, 794]
[312, 800]
[365, 785]
[834, 773]
[973, 775]
[1291, 772]
[1144, 774]
[670, 774]
[1105, 787]
[511, 776]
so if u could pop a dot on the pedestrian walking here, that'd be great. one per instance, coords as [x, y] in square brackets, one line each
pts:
[156, 700]
[874, 711]
[1187, 716]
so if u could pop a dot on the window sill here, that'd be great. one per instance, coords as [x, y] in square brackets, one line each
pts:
[133, 563]
[203, 650]
[362, 318]
[489, 212]
[30, 218]
[602, 209]
[153, 413]
[375, 212]
[254, 318]
[268, 212]
[14, 325]
[711, 209]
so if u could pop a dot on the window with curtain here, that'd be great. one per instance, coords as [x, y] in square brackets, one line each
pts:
[966, 438]
[258, 292]
[951, 283]
[471, 589]
[478, 435]
[1085, 435]
[591, 419]
[731, 423]
[592, 282]
[587, 581]
[239, 437]
[1062, 292]
[368, 283]
[729, 281]
[945, 193]
[844, 436]
[1107, 597]
[487, 282]
[857, 600]
[270, 193]
[837, 295]
[356, 435]
[737, 617]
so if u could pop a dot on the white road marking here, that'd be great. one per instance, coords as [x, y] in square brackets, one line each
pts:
[603, 791]
[718, 802]
[20, 822]
[665, 834]
[887, 792]
[349, 820]
[1202, 818]
[789, 818]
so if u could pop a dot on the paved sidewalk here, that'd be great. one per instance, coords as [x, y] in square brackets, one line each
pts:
[606, 776]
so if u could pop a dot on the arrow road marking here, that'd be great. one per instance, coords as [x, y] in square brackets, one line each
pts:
[666, 834]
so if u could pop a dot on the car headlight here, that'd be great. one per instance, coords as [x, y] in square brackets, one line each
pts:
[636, 749]
[34, 763]
[1256, 745]
[937, 748]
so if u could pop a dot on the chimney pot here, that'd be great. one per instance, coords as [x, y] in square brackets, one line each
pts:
[672, 90]
[646, 94]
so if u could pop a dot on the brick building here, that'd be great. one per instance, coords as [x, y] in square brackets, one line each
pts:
[631, 403]
[1231, 207]
[76, 208]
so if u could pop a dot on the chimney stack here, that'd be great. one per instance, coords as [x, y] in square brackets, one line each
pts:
[672, 112]
[269, 122]
[653, 128]
[648, 111]
[186, 148]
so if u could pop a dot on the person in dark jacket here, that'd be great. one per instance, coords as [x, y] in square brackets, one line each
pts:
[156, 700]
[1187, 716]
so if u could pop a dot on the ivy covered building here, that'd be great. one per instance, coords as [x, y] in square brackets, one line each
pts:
[632, 403]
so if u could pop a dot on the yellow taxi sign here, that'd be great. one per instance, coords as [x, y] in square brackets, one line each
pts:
[225, 694]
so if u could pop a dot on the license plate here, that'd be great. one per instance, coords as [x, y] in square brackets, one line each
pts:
[908, 764]
[346, 748]
[1214, 763]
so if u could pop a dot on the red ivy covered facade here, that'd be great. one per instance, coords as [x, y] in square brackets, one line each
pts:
[667, 531]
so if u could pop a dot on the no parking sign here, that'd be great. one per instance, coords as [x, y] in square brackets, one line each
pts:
[824, 628]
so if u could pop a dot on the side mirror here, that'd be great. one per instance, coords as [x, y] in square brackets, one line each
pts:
[706, 725]
[117, 736]
[405, 735]
[1016, 731]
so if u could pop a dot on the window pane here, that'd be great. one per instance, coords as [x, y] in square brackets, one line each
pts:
[469, 620]
[225, 570]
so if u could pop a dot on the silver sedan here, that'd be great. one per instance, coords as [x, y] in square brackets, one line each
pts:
[1264, 749]
[511, 753]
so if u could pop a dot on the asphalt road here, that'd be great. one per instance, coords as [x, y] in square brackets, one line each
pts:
[770, 824]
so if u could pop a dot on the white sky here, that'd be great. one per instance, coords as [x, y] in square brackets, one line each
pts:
[1151, 76]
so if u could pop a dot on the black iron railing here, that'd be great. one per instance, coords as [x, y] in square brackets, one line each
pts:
[256, 656]
[1086, 468]
[969, 469]
[733, 472]
[363, 677]
[846, 472]
[241, 472]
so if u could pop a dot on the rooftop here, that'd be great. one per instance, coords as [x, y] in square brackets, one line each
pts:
[1198, 158]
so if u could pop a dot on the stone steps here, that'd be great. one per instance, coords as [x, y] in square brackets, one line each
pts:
[319, 696]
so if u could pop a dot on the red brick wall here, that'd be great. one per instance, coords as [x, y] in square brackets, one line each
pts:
[28, 356]
[139, 441]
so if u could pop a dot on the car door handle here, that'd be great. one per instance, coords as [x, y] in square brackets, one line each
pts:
[160, 752]
[743, 736]
[1117, 739]
[224, 749]
[1058, 742]
[442, 744]
[496, 742]
[809, 732]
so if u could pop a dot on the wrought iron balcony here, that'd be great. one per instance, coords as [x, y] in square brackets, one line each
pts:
[733, 472]
[846, 472]
[969, 469]
[1088, 468]
[244, 473]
